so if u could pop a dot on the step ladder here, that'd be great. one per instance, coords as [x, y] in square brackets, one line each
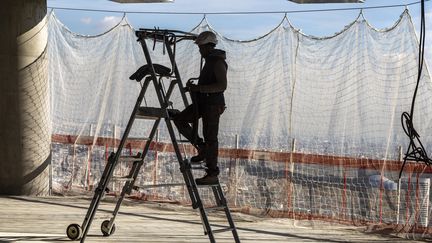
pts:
[153, 73]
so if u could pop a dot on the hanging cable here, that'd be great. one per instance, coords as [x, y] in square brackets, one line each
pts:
[245, 12]
[415, 151]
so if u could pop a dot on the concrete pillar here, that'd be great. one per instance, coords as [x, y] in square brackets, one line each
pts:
[25, 135]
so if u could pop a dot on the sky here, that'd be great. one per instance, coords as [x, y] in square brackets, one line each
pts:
[236, 26]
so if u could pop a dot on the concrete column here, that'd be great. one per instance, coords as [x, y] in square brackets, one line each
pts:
[25, 135]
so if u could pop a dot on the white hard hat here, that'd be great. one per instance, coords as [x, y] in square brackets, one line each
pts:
[205, 38]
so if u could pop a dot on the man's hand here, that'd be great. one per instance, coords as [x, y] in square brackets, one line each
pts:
[192, 87]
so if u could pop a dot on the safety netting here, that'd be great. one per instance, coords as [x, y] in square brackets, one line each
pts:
[312, 128]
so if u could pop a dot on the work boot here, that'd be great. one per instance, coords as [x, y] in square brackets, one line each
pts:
[197, 158]
[207, 180]
[201, 154]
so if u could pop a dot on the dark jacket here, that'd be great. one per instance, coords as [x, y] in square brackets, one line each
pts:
[211, 87]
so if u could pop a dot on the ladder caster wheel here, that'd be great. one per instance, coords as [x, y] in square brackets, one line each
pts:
[74, 232]
[104, 228]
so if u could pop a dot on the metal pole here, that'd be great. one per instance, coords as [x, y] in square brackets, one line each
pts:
[399, 188]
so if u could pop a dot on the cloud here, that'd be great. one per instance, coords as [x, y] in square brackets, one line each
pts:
[108, 22]
[86, 20]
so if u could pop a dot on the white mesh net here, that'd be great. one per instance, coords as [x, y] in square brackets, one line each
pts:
[312, 128]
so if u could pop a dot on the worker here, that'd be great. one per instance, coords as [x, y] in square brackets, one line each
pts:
[208, 104]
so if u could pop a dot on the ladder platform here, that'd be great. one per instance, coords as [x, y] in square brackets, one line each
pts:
[209, 185]
[153, 113]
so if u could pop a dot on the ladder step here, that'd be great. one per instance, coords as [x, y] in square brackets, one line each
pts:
[138, 138]
[211, 185]
[153, 113]
[130, 158]
[122, 178]
[215, 208]
[158, 185]
[200, 166]
[183, 141]
[222, 230]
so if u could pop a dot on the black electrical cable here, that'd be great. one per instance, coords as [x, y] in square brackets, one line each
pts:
[415, 151]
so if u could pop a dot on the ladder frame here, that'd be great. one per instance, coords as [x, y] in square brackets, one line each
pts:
[169, 38]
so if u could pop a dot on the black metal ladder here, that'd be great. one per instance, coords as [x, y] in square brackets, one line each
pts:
[152, 73]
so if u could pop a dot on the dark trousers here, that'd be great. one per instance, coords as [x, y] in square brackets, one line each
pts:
[210, 115]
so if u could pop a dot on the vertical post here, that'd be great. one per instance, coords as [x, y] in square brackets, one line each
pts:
[73, 164]
[290, 189]
[417, 209]
[114, 145]
[87, 169]
[89, 158]
[156, 162]
[115, 131]
[91, 130]
[236, 160]
[381, 197]
[407, 200]
[293, 149]
[424, 204]
[399, 189]
[344, 199]
[50, 175]
[106, 153]
[90, 150]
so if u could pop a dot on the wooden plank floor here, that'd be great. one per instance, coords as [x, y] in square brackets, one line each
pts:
[36, 219]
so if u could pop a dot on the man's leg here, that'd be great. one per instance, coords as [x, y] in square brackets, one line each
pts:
[182, 121]
[210, 118]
